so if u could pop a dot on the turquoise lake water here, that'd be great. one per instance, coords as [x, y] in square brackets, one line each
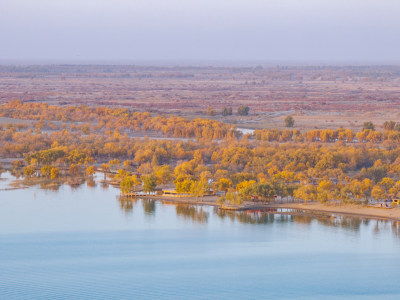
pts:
[84, 243]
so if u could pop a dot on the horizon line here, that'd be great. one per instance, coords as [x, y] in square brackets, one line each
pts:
[197, 62]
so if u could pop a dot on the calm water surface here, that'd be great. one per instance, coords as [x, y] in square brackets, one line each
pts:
[85, 243]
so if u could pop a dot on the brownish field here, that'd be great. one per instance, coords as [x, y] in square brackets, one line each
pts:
[318, 97]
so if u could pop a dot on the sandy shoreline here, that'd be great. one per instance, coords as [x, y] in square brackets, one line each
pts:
[350, 210]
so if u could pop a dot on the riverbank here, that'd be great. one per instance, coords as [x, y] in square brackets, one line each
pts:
[207, 200]
[352, 210]
[345, 209]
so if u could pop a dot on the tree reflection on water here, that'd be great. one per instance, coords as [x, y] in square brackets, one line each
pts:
[395, 228]
[127, 204]
[149, 206]
[49, 186]
[349, 223]
[252, 217]
[201, 214]
[301, 217]
[90, 182]
[194, 213]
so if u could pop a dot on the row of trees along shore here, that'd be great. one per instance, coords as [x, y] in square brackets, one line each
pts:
[331, 166]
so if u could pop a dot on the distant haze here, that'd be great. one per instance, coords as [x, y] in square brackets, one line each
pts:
[136, 31]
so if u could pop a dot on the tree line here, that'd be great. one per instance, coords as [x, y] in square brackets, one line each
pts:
[317, 165]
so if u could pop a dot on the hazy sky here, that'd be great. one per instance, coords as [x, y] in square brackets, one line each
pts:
[137, 30]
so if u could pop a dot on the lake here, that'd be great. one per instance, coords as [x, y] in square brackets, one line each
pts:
[86, 243]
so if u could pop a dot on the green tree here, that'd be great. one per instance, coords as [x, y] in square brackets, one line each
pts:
[265, 191]
[389, 125]
[368, 125]
[227, 111]
[149, 183]
[211, 111]
[243, 110]
[233, 197]
[196, 189]
[289, 121]
[201, 187]
[129, 183]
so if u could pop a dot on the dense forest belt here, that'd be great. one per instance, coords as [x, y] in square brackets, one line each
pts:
[116, 118]
[89, 120]
[70, 144]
